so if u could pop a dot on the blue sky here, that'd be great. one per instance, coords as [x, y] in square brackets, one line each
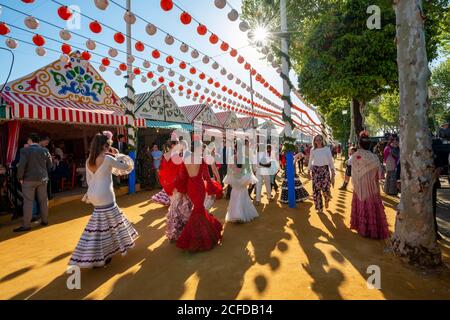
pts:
[204, 10]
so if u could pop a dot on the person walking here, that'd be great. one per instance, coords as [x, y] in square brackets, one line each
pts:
[157, 157]
[391, 158]
[348, 169]
[321, 168]
[263, 173]
[32, 173]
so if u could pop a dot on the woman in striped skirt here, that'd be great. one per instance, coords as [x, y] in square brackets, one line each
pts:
[108, 231]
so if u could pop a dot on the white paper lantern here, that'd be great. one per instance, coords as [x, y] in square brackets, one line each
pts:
[101, 4]
[144, 79]
[117, 72]
[233, 15]
[265, 50]
[31, 22]
[146, 64]
[180, 94]
[230, 76]
[223, 71]
[154, 83]
[238, 81]
[182, 79]
[213, 94]
[169, 40]
[151, 29]
[215, 66]
[219, 96]
[184, 48]
[274, 65]
[206, 90]
[132, 76]
[65, 35]
[171, 73]
[194, 54]
[11, 43]
[102, 68]
[198, 87]
[130, 59]
[160, 69]
[243, 26]
[205, 59]
[129, 17]
[64, 58]
[243, 86]
[112, 52]
[270, 57]
[224, 99]
[220, 3]
[190, 83]
[90, 44]
[188, 97]
[172, 91]
[41, 51]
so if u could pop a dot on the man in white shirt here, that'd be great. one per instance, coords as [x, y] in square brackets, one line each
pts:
[264, 173]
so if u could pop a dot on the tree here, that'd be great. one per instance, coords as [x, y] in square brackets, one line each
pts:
[415, 236]
[339, 123]
[382, 114]
[440, 95]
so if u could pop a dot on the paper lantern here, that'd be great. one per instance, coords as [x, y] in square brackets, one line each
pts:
[201, 29]
[11, 43]
[4, 29]
[130, 59]
[253, 72]
[150, 75]
[217, 84]
[38, 40]
[90, 44]
[171, 73]
[213, 39]
[139, 46]
[270, 57]
[151, 29]
[247, 66]
[106, 62]
[95, 26]
[202, 76]
[184, 48]
[233, 15]
[112, 52]
[31, 23]
[66, 48]
[166, 5]
[220, 3]
[169, 40]
[182, 65]
[119, 37]
[102, 68]
[171, 84]
[156, 54]
[154, 83]
[210, 81]
[240, 60]
[65, 35]
[143, 79]
[137, 71]
[27, 1]
[230, 76]
[161, 79]
[146, 64]
[215, 65]
[205, 60]
[64, 13]
[190, 83]
[223, 71]
[129, 17]
[224, 46]
[160, 69]
[101, 4]
[169, 59]
[86, 55]
[193, 70]
[188, 91]
[64, 58]
[243, 26]
[182, 78]
[132, 76]
[180, 87]
[117, 72]
[194, 54]
[41, 51]
[123, 67]
[185, 18]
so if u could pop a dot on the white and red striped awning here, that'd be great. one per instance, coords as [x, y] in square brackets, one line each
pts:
[33, 107]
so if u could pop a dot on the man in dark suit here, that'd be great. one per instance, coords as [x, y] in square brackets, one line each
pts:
[121, 144]
[32, 172]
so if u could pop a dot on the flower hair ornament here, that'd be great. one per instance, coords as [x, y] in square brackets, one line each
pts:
[108, 134]
[364, 134]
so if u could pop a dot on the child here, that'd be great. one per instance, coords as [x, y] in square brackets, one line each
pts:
[348, 170]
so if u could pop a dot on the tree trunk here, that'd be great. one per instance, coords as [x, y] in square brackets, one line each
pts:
[357, 107]
[415, 236]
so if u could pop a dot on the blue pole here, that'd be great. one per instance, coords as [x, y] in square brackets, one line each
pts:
[290, 175]
[132, 175]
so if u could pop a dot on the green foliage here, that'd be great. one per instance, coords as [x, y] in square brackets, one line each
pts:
[339, 123]
[440, 94]
[382, 114]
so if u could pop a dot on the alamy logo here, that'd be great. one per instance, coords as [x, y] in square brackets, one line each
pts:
[74, 23]
[374, 21]
[374, 280]
[74, 280]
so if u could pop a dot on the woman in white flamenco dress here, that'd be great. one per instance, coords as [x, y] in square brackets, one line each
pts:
[240, 207]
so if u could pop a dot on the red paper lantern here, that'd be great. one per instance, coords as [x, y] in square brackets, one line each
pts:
[258, 77]
[119, 38]
[185, 18]
[38, 40]
[95, 26]
[210, 81]
[247, 66]
[4, 29]
[183, 65]
[193, 70]
[266, 85]
[224, 88]
[171, 84]
[217, 84]
[106, 62]
[64, 13]
[240, 60]
[209, 99]
[233, 53]
[213, 39]
[28, 1]
[156, 54]
[150, 75]
[161, 79]
[86, 55]
[230, 91]
[66, 49]
[180, 88]
[235, 94]
[224, 46]
[166, 5]
[169, 59]
[202, 76]
[253, 72]
[201, 29]
[123, 67]
[137, 71]
[139, 46]
[188, 91]
[196, 94]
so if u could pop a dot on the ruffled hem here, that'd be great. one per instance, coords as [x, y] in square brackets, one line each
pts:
[245, 180]
[368, 217]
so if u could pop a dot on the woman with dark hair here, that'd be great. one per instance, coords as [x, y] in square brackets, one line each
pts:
[108, 231]
[368, 216]
[391, 159]
[148, 177]
[322, 168]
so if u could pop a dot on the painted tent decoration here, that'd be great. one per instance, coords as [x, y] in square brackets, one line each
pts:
[268, 125]
[223, 117]
[246, 122]
[208, 117]
[159, 105]
[192, 111]
[233, 122]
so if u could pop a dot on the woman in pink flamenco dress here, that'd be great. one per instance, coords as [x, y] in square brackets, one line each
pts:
[368, 217]
[203, 231]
